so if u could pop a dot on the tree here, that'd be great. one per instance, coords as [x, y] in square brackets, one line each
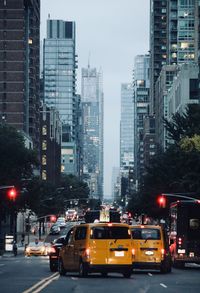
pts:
[177, 170]
[17, 161]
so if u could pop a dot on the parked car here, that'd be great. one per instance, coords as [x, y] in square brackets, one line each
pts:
[36, 248]
[54, 253]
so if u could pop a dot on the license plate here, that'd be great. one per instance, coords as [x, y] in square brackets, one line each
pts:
[119, 253]
[148, 252]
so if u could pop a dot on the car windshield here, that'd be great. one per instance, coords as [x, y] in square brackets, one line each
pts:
[146, 233]
[106, 232]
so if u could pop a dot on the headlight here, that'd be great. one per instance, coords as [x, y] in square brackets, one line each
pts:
[28, 249]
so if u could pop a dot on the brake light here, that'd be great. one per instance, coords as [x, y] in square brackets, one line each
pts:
[109, 224]
[133, 251]
[179, 241]
[87, 252]
[162, 251]
[142, 226]
[52, 250]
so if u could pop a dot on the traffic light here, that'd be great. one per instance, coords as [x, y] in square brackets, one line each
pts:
[162, 201]
[12, 193]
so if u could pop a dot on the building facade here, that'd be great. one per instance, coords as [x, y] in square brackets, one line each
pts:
[158, 44]
[92, 106]
[59, 73]
[141, 110]
[50, 148]
[19, 66]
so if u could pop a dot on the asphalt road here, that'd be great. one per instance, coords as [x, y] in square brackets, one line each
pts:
[32, 275]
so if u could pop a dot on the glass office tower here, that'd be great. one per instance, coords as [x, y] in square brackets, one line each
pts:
[92, 104]
[60, 85]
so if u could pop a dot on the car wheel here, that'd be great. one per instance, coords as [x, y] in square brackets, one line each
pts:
[61, 268]
[127, 273]
[53, 267]
[83, 272]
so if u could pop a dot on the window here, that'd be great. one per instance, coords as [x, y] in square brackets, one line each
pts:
[44, 160]
[44, 175]
[44, 145]
[146, 233]
[80, 233]
[106, 232]
[44, 130]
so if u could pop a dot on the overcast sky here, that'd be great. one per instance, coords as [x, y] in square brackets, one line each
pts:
[112, 32]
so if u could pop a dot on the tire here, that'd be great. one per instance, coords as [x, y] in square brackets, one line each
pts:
[61, 268]
[53, 267]
[127, 274]
[83, 272]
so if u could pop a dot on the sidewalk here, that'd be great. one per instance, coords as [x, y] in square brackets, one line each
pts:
[21, 248]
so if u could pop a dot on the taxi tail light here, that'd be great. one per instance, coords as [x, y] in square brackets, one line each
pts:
[87, 252]
[52, 250]
[133, 251]
[162, 251]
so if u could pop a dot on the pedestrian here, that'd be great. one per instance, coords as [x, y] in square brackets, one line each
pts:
[22, 239]
[15, 248]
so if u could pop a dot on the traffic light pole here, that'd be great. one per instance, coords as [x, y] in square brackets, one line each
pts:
[179, 195]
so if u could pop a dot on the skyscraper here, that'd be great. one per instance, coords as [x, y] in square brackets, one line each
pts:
[158, 44]
[126, 138]
[92, 105]
[141, 109]
[182, 18]
[19, 66]
[59, 72]
[126, 126]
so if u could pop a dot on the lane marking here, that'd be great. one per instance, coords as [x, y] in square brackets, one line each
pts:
[74, 278]
[46, 284]
[150, 274]
[40, 283]
[163, 285]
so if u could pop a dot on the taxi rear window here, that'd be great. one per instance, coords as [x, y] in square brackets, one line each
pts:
[105, 232]
[146, 233]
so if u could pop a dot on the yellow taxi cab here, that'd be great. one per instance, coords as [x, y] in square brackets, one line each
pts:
[97, 247]
[151, 248]
[36, 248]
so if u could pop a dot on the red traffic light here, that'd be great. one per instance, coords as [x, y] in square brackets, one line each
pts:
[12, 193]
[53, 219]
[162, 201]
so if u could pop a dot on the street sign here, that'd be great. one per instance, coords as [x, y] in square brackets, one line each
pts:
[104, 216]
[9, 242]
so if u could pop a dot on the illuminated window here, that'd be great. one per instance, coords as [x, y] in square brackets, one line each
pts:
[44, 160]
[184, 45]
[44, 145]
[44, 130]
[44, 175]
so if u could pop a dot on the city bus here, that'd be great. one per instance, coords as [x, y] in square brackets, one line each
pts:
[184, 232]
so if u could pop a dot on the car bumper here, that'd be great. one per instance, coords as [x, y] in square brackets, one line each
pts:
[108, 268]
[146, 265]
